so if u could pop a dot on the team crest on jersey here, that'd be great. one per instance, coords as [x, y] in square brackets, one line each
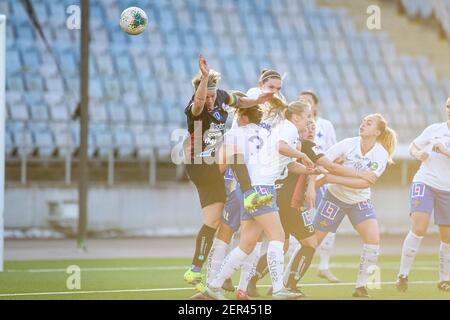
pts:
[418, 190]
[373, 166]
[217, 115]
[365, 205]
[330, 210]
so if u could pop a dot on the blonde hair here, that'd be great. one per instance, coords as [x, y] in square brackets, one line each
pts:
[297, 107]
[213, 80]
[388, 137]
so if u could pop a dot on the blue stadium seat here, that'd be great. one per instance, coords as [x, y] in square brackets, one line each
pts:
[124, 142]
[44, 143]
[39, 112]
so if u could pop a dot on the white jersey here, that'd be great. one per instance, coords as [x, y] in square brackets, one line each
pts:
[375, 160]
[435, 171]
[325, 135]
[249, 139]
[273, 165]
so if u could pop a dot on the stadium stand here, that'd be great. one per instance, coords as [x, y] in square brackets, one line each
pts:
[139, 85]
[439, 9]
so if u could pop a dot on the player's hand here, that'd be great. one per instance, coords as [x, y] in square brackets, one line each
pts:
[264, 97]
[421, 155]
[340, 160]
[305, 160]
[368, 176]
[203, 65]
[440, 148]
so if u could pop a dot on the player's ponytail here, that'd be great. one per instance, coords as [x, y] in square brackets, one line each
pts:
[213, 80]
[388, 137]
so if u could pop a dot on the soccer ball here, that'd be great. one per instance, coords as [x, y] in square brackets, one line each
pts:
[133, 20]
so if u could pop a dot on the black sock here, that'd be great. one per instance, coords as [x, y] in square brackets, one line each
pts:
[203, 244]
[261, 270]
[241, 173]
[301, 263]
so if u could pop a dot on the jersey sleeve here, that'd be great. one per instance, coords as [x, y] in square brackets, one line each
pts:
[331, 136]
[253, 93]
[425, 138]
[338, 149]
[310, 150]
[287, 133]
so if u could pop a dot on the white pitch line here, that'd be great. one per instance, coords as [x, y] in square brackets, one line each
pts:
[183, 289]
[165, 268]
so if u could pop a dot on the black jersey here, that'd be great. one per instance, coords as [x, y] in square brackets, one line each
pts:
[212, 126]
[288, 185]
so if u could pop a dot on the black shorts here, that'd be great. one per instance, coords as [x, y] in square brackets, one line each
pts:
[295, 222]
[209, 182]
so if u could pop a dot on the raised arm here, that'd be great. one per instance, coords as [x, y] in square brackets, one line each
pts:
[246, 102]
[298, 168]
[200, 94]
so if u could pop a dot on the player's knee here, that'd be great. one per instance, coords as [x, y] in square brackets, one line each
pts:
[419, 230]
[311, 242]
[225, 233]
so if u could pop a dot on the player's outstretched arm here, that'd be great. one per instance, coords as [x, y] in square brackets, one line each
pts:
[299, 168]
[356, 183]
[440, 148]
[340, 170]
[286, 150]
[246, 102]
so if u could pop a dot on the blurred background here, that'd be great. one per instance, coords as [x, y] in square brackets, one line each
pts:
[140, 85]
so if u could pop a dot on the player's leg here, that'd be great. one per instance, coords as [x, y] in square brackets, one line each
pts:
[444, 258]
[211, 191]
[326, 247]
[324, 251]
[421, 204]
[247, 272]
[259, 271]
[250, 232]
[218, 251]
[370, 235]
[442, 218]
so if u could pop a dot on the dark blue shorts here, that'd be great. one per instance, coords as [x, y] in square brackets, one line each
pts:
[232, 211]
[261, 210]
[430, 200]
[331, 211]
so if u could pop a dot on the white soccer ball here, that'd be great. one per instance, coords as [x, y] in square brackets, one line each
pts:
[133, 20]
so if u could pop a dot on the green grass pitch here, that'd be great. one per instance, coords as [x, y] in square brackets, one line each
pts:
[156, 279]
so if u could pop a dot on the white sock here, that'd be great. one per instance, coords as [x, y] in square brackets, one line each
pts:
[288, 268]
[293, 245]
[410, 248]
[325, 249]
[369, 257]
[230, 265]
[215, 259]
[444, 262]
[248, 269]
[275, 262]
